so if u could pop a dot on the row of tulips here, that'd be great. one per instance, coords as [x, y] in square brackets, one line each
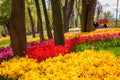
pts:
[83, 65]
[47, 49]
[44, 50]
[72, 35]
[98, 31]
[73, 39]
[87, 65]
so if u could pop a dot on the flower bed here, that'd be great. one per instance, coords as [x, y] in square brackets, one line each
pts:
[43, 50]
[73, 34]
[87, 65]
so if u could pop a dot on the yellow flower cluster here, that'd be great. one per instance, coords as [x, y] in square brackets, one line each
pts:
[87, 65]
[72, 34]
[37, 39]
[33, 39]
[18, 67]
[105, 31]
[99, 31]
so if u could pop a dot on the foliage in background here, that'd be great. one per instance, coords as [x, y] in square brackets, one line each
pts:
[112, 23]
[5, 11]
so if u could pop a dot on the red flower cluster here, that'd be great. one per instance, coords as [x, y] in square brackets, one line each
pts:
[42, 52]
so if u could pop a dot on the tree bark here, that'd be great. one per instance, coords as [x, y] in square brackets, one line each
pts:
[88, 10]
[79, 11]
[17, 27]
[67, 11]
[116, 23]
[65, 16]
[39, 20]
[32, 22]
[57, 23]
[77, 8]
[48, 28]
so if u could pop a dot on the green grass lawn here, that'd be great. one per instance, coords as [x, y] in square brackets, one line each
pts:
[115, 50]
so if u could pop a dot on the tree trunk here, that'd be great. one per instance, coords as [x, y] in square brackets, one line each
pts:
[116, 23]
[32, 23]
[72, 21]
[66, 22]
[67, 11]
[77, 8]
[99, 10]
[39, 20]
[57, 23]
[98, 15]
[79, 11]
[17, 27]
[49, 33]
[88, 10]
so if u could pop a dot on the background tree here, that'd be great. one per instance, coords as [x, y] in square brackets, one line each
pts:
[39, 20]
[57, 23]
[98, 10]
[5, 10]
[88, 10]
[48, 28]
[117, 13]
[108, 15]
[17, 27]
[31, 20]
[72, 19]
[78, 12]
[67, 11]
